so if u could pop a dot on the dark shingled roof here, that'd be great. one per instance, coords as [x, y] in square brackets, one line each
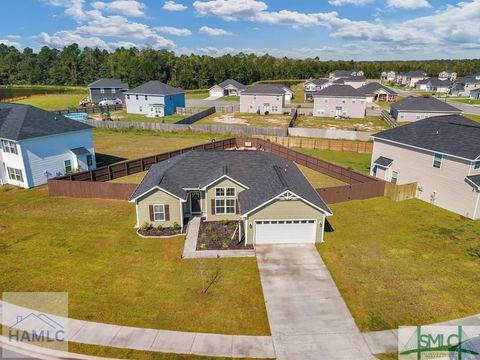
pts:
[271, 89]
[80, 151]
[423, 81]
[371, 88]
[20, 122]
[155, 87]
[339, 91]
[355, 79]
[424, 104]
[416, 73]
[383, 161]
[318, 82]
[450, 134]
[438, 82]
[235, 83]
[108, 83]
[474, 180]
[266, 176]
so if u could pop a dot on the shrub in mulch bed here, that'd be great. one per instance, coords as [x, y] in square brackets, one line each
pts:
[149, 230]
[217, 235]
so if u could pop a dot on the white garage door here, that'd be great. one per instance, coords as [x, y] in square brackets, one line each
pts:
[285, 232]
[218, 93]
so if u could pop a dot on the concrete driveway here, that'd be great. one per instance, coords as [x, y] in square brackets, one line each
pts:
[308, 317]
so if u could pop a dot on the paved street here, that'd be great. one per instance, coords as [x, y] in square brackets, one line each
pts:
[308, 317]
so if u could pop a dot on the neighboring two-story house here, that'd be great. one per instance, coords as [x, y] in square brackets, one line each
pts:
[107, 89]
[439, 86]
[388, 76]
[353, 81]
[341, 74]
[154, 99]
[313, 85]
[339, 101]
[268, 196]
[410, 78]
[441, 154]
[447, 75]
[263, 98]
[414, 108]
[37, 145]
[465, 85]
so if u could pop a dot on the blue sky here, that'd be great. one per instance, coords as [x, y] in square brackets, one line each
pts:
[330, 29]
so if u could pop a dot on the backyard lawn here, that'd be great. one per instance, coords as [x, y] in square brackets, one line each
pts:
[246, 119]
[352, 160]
[299, 93]
[403, 263]
[88, 248]
[464, 100]
[116, 145]
[121, 115]
[54, 101]
[370, 123]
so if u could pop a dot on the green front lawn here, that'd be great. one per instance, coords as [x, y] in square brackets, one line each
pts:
[246, 119]
[352, 160]
[230, 98]
[200, 95]
[369, 123]
[54, 101]
[403, 263]
[88, 248]
[298, 93]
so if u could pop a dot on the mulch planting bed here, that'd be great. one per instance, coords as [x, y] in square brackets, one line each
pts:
[217, 235]
[166, 231]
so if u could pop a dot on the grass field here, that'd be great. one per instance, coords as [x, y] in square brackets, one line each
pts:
[403, 263]
[121, 115]
[88, 248]
[472, 117]
[319, 180]
[465, 100]
[116, 145]
[369, 123]
[246, 119]
[298, 92]
[54, 101]
[352, 160]
[196, 95]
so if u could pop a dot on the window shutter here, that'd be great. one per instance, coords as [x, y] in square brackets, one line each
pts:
[213, 206]
[150, 207]
[167, 212]
[237, 207]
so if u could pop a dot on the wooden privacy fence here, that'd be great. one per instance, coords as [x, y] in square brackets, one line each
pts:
[197, 116]
[400, 192]
[89, 189]
[89, 109]
[362, 147]
[359, 191]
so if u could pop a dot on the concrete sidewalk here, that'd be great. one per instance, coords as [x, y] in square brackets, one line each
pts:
[166, 341]
[308, 317]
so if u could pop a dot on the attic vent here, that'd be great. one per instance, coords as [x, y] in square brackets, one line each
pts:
[279, 172]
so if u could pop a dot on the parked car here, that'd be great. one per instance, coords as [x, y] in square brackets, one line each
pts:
[109, 102]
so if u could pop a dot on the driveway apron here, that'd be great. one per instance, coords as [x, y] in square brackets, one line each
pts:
[308, 317]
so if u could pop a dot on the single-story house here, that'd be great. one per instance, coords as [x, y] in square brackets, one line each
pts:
[228, 87]
[441, 154]
[439, 86]
[339, 101]
[475, 94]
[37, 145]
[447, 75]
[354, 81]
[465, 85]
[340, 74]
[107, 89]
[269, 196]
[154, 99]
[388, 76]
[262, 98]
[313, 85]
[414, 108]
[375, 91]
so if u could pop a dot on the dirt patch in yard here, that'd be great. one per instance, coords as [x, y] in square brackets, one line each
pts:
[220, 235]
[230, 120]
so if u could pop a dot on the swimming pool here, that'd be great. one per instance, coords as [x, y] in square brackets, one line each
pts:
[77, 116]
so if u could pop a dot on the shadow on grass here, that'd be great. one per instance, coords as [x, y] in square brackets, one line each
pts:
[105, 159]
[328, 226]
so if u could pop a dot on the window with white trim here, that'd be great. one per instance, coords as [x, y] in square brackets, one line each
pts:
[114, 91]
[68, 165]
[225, 191]
[274, 108]
[102, 91]
[9, 147]
[437, 160]
[89, 160]
[394, 177]
[476, 165]
[225, 200]
[159, 212]
[15, 174]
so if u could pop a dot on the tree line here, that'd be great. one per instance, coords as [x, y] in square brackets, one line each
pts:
[74, 66]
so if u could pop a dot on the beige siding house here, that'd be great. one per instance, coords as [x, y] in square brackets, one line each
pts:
[262, 99]
[339, 101]
[269, 196]
[441, 154]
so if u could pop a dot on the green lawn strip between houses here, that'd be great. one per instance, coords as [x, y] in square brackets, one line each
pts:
[54, 101]
[369, 123]
[403, 263]
[352, 160]
[246, 119]
[89, 248]
[110, 352]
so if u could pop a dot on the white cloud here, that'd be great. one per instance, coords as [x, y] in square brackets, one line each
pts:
[10, 43]
[213, 31]
[123, 7]
[230, 10]
[64, 38]
[173, 6]
[73, 8]
[408, 4]
[13, 37]
[174, 31]
[349, 2]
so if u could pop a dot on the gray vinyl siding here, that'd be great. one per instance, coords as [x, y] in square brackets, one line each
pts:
[97, 96]
[352, 107]
[252, 103]
[411, 116]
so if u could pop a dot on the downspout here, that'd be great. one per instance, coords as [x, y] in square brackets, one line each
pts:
[476, 206]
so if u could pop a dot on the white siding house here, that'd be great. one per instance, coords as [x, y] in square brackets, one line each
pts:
[37, 145]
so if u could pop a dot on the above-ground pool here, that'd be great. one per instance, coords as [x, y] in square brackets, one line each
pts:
[77, 116]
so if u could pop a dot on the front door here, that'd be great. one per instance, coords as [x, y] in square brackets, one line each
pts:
[338, 111]
[195, 206]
